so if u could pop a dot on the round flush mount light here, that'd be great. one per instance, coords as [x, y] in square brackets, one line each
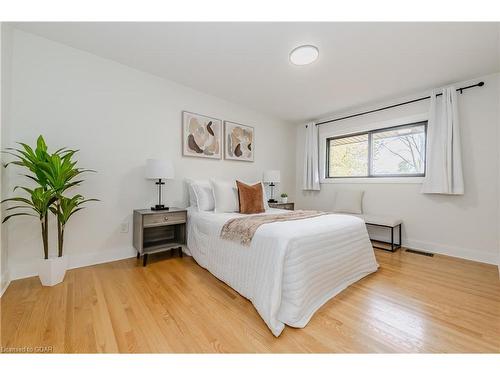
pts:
[304, 55]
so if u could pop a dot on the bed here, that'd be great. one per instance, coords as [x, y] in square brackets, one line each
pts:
[291, 268]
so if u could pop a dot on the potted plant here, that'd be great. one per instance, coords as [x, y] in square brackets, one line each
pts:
[284, 198]
[53, 174]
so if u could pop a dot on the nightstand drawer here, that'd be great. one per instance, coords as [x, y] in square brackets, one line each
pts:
[164, 218]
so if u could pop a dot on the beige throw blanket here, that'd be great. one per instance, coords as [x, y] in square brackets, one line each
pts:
[242, 229]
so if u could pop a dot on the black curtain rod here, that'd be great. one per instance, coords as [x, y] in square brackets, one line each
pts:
[461, 89]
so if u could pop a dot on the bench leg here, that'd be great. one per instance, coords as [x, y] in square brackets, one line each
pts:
[392, 239]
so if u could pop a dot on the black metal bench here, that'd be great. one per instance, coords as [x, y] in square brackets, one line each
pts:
[390, 223]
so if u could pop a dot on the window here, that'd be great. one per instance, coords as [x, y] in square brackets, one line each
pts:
[391, 152]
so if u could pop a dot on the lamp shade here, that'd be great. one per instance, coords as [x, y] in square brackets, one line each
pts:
[158, 168]
[272, 176]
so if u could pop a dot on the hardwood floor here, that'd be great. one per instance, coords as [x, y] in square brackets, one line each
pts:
[412, 304]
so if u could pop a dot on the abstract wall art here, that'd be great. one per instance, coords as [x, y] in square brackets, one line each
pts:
[239, 141]
[201, 136]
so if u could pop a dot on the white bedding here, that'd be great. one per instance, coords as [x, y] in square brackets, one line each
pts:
[291, 268]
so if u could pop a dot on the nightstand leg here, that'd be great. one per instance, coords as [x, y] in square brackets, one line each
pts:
[180, 252]
[138, 255]
[144, 260]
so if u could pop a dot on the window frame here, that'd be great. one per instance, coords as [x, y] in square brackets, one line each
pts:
[370, 133]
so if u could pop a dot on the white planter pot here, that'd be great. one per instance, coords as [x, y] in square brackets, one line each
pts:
[284, 200]
[51, 271]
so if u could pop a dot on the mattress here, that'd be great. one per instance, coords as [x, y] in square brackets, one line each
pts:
[291, 268]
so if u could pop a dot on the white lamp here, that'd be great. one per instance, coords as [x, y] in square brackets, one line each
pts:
[272, 177]
[157, 169]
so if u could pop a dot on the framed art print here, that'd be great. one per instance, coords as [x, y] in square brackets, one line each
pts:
[238, 141]
[202, 136]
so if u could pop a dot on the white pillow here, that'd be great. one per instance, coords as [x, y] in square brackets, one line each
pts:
[264, 196]
[192, 196]
[204, 196]
[225, 196]
[348, 201]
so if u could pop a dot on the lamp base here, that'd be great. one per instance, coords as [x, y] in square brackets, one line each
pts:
[159, 207]
[272, 201]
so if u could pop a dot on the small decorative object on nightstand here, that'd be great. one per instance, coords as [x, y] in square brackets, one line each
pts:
[283, 206]
[155, 231]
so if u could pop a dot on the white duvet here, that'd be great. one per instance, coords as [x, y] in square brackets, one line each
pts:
[291, 268]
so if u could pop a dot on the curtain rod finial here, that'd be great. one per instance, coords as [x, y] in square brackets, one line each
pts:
[480, 84]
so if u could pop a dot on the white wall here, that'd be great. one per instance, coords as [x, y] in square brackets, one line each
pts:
[463, 226]
[4, 274]
[117, 117]
[498, 111]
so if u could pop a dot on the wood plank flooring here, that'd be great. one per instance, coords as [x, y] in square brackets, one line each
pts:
[412, 304]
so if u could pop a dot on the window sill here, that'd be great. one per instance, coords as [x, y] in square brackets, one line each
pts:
[373, 180]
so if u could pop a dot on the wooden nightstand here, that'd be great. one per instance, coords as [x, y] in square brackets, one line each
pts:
[157, 231]
[283, 206]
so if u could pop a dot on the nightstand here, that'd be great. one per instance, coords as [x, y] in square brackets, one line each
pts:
[157, 231]
[283, 206]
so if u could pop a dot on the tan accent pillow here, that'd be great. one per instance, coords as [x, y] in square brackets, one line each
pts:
[251, 198]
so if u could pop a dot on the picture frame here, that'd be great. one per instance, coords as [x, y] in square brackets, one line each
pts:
[201, 136]
[239, 141]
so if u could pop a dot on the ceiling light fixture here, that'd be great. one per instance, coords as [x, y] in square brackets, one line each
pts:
[304, 55]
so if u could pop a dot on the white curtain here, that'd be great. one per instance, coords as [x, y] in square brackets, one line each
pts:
[311, 165]
[444, 155]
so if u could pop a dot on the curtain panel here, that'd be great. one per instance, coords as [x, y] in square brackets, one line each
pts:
[311, 163]
[443, 173]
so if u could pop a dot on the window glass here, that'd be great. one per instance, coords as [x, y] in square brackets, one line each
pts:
[399, 151]
[349, 156]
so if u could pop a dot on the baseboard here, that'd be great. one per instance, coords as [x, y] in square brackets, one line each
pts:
[29, 269]
[4, 283]
[453, 251]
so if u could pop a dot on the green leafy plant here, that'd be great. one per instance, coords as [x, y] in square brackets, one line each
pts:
[64, 209]
[53, 174]
[30, 159]
[39, 202]
[60, 172]
[284, 195]
[40, 198]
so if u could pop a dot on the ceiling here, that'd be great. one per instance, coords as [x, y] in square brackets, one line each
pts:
[247, 63]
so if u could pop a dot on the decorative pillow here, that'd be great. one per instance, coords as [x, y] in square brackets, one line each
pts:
[348, 201]
[264, 197]
[225, 196]
[204, 196]
[251, 198]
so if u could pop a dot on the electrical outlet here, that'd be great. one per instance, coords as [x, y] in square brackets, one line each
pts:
[124, 227]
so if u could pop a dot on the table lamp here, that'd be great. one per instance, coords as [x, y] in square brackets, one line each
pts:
[272, 177]
[157, 169]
